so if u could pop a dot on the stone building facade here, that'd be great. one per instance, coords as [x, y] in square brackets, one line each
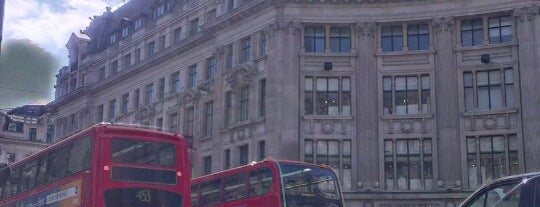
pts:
[414, 102]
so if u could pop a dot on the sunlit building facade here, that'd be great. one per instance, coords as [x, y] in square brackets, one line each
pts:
[412, 102]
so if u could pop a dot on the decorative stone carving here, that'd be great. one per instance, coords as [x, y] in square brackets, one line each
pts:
[442, 24]
[291, 27]
[241, 75]
[327, 126]
[205, 86]
[490, 122]
[526, 13]
[366, 28]
[406, 126]
[188, 95]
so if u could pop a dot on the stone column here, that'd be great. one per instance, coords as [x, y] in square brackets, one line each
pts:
[367, 153]
[447, 104]
[527, 30]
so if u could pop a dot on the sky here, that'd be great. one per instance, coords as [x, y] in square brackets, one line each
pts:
[35, 35]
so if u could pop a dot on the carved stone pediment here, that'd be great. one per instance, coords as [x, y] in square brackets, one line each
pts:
[188, 95]
[206, 86]
[145, 111]
[241, 75]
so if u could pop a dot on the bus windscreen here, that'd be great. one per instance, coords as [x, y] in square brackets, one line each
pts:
[140, 152]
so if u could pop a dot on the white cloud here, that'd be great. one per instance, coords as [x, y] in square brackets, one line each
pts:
[49, 24]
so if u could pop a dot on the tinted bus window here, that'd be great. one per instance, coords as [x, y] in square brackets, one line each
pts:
[310, 186]
[133, 151]
[41, 177]
[79, 155]
[194, 195]
[28, 175]
[56, 164]
[260, 182]
[234, 187]
[210, 192]
[14, 181]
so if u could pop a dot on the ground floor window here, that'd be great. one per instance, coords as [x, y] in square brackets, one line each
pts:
[336, 153]
[491, 157]
[408, 164]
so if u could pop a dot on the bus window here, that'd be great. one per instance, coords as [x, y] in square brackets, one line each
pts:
[79, 155]
[194, 195]
[41, 177]
[235, 187]
[210, 192]
[260, 182]
[28, 176]
[133, 151]
[57, 162]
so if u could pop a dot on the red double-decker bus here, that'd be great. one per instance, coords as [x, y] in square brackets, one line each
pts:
[103, 166]
[269, 183]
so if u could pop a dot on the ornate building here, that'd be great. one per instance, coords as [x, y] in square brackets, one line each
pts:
[413, 102]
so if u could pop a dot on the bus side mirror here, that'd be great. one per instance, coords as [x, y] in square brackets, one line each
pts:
[5, 172]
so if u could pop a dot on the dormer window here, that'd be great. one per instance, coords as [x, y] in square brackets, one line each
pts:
[161, 9]
[125, 31]
[138, 23]
[113, 39]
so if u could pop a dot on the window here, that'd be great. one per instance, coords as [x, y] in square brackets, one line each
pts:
[489, 90]
[73, 83]
[125, 104]
[243, 150]
[392, 38]
[57, 164]
[340, 39]
[73, 122]
[230, 5]
[211, 68]
[50, 133]
[161, 9]
[262, 100]
[159, 124]
[32, 134]
[137, 55]
[112, 39]
[207, 165]
[227, 159]
[245, 50]
[161, 43]
[262, 150]
[138, 23]
[336, 153]
[208, 118]
[500, 29]
[192, 82]
[417, 37]
[327, 95]
[210, 192]
[175, 82]
[173, 123]
[79, 155]
[194, 26]
[136, 99]
[408, 164]
[263, 43]
[150, 48]
[177, 35]
[149, 96]
[244, 103]
[228, 108]
[10, 158]
[99, 113]
[234, 187]
[28, 176]
[112, 109]
[190, 122]
[101, 74]
[260, 181]
[406, 94]
[314, 39]
[125, 31]
[210, 15]
[114, 67]
[161, 89]
[507, 193]
[127, 60]
[472, 32]
[228, 57]
[491, 157]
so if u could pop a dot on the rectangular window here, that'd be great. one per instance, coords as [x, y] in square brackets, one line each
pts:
[175, 82]
[210, 15]
[192, 82]
[112, 39]
[99, 113]
[408, 164]
[159, 124]
[228, 57]
[125, 31]
[227, 159]
[112, 109]
[136, 99]
[50, 133]
[10, 157]
[210, 68]
[173, 123]
[406, 94]
[491, 89]
[336, 153]
[340, 39]
[114, 67]
[263, 43]
[262, 150]
[418, 37]
[125, 104]
[32, 134]
[127, 60]
[137, 55]
[500, 29]
[244, 103]
[178, 35]
[207, 164]
[161, 43]
[314, 39]
[472, 32]
[194, 26]
[262, 99]
[102, 73]
[228, 108]
[392, 38]
[138, 23]
[73, 122]
[332, 95]
[150, 47]
[161, 89]
[243, 150]
[190, 122]
[491, 157]
[208, 118]
[245, 50]
[149, 94]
